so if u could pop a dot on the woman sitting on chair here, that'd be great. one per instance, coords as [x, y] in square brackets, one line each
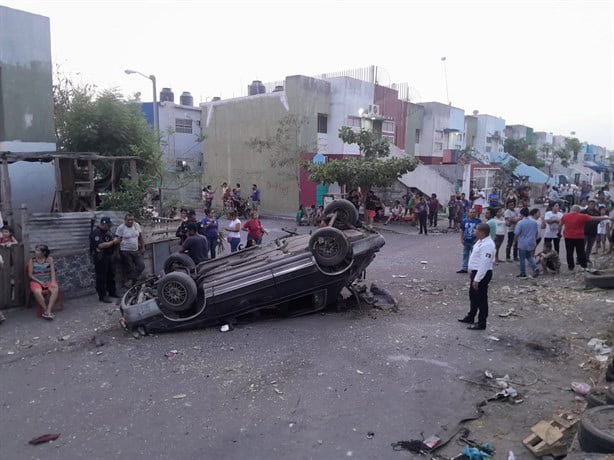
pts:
[41, 271]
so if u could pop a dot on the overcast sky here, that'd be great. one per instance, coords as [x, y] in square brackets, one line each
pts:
[547, 64]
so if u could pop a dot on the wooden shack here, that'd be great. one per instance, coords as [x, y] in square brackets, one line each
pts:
[79, 178]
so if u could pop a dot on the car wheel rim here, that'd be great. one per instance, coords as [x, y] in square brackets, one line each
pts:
[174, 293]
[327, 247]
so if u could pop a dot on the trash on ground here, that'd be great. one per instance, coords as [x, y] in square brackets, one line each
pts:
[493, 338]
[180, 396]
[431, 441]
[44, 438]
[370, 435]
[551, 437]
[599, 346]
[170, 354]
[64, 338]
[473, 453]
[358, 371]
[488, 374]
[511, 456]
[225, 328]
[581, 388]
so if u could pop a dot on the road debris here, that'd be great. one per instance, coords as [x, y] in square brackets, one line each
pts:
[581, 388]
[551, 437]
[359, 372]
[171, 354]
[370, 434]
[225, 328]
[180, 396]
[599, 346]
[44, 438]
[493, 338]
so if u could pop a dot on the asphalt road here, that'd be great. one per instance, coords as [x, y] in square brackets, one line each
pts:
[324, 386]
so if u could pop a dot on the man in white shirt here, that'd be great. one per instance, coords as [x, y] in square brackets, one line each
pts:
[553, 226]
[480, 269]
[131, 247]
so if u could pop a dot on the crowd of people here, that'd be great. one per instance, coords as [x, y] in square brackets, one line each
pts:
[587, 226]
[232, 200]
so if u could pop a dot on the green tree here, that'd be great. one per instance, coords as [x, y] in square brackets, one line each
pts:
[573, 145]
[552, 155]
[522, 151]
[372, 168]
[286, 147]
[88, 120]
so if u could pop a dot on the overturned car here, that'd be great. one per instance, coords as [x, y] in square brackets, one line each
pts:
[295, 274]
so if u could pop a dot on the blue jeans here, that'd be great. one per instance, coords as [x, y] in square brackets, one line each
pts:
[526, 256]
[212, 245]
[234, 244]
[467, 247]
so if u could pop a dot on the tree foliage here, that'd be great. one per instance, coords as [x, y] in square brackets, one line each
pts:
[88, 120]
[285, 148]
[522, 151]
[372, 168]
[552, 155]
[573, 146]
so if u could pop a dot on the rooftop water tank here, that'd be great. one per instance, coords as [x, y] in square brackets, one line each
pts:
[256, 87]
[278, 88]
[167, 95]
[186, 99]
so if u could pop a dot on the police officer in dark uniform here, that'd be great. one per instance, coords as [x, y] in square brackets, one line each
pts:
[102, 244]
[182, 230]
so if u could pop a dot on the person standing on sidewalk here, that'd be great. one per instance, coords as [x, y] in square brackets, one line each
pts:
[422, 212]
[525, 235]
[433, 210]
[102, 245]
[553, 222]
[511, 216]
[211, 227]
[573, 233]
[131, 248]
[480, 265]
[468, 238]
[590, 229]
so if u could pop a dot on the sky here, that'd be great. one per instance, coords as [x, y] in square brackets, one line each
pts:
[546, 64]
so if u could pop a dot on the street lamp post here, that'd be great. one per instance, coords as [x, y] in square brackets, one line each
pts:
[155, 96]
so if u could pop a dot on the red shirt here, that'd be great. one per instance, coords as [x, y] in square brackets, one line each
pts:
[254, 228]
[574, 225]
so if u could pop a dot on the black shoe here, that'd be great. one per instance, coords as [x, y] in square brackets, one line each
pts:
[105, 300]
[466, 320]
[462, 271]
[521, 276]
[477, 327]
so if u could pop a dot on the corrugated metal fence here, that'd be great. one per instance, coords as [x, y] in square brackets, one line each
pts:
[67, 236]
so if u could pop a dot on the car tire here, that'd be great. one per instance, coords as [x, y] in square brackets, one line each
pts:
[329, 246]
[595, 399]
[603, 281]
[176, 292]
[609, 395]
[592, 435]
[179, 262]
[347, 214]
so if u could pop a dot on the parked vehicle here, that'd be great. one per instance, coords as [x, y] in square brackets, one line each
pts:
[297, 273]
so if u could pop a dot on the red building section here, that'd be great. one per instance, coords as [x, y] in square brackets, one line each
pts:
[391, 106]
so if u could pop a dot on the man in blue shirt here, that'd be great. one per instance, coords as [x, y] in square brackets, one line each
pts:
[468, 237]
[255, 196]
[526, 233]
[493, 198]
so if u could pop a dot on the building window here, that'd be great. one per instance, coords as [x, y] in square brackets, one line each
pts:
[388, 127]
[353, 122]
[438, 146]
[438, 134]
[183, 125]
[417, 136]
[322, 123]
[488, 149]
[389, 137]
